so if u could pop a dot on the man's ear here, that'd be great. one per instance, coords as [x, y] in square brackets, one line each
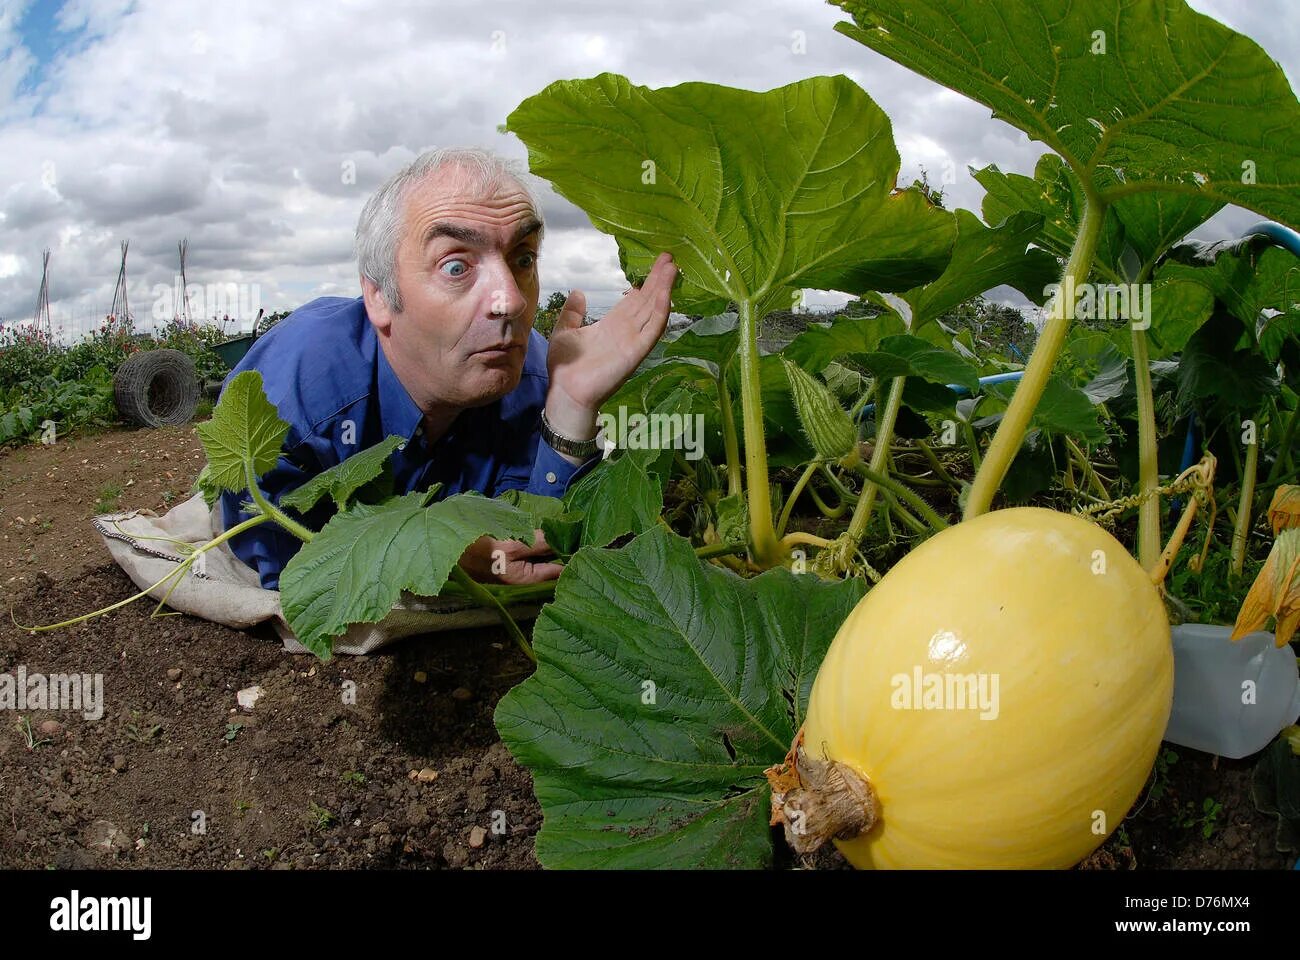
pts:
[376, 307]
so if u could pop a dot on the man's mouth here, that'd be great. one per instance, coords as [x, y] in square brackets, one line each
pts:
[498, 353]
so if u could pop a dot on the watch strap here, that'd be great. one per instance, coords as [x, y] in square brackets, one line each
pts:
[567, 445]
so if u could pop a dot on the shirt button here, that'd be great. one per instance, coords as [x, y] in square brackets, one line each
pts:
[550, 477]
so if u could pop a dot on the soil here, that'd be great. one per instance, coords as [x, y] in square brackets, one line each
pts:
[411, 774]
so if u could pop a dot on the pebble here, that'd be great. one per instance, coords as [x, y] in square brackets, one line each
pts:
[174, 674]
[50, 728]
[119, 762]
[462, 694]
[249, 696]
[420, 676]
[427, 775]
[476, 837]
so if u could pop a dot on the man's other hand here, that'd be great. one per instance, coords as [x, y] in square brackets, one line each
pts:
[509, 561]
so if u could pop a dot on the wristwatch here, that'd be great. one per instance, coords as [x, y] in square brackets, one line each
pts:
[574, 448]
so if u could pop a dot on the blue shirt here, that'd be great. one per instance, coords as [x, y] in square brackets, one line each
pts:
[324, 371]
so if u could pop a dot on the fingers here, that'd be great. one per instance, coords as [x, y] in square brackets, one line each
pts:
[571, 314]
[525, 571]
[539, 547]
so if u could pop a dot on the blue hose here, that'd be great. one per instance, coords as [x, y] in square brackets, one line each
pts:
[1284, 237]
[960, 390]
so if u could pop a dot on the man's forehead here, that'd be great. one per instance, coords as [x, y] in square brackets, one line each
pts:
[453, 207]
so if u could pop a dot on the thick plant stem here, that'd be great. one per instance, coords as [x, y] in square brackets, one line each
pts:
[794, 495]
[1245, 508]
[1148, 537]
[937, 466]
[1011, 431]
[763, 542]
[926, 511]
[884, 434]
[827, 511]
[906, 516]
[972, 442]
[730, 443]
[1085, 466]
[271, 510]
[480, 593]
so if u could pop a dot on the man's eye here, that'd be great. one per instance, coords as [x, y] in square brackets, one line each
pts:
[452, 263]
[529, 260]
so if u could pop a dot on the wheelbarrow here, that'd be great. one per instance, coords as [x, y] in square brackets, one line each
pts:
[158, 388]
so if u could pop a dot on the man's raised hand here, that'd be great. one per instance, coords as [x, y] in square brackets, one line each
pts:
[587, 364]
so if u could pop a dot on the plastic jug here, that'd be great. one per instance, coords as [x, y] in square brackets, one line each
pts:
[1216, 708]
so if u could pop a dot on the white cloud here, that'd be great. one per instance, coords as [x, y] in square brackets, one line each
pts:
[230, 123]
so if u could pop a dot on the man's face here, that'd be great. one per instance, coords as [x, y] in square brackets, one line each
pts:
[467, 273]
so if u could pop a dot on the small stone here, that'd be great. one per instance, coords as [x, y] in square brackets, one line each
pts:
[427, 775]
[104, 836]
[414, 774]
[50, 728]
[421, 676]
[249, 696]
[476, 837]
[119, 762]
[462, 694]
[174, 674]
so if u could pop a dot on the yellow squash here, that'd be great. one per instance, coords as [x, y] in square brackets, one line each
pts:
[1003, 691]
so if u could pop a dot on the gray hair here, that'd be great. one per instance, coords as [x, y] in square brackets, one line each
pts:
[379, 230]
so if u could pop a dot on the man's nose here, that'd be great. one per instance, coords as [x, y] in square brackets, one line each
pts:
[507, 302]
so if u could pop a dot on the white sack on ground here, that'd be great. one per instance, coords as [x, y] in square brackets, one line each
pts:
[227, 591]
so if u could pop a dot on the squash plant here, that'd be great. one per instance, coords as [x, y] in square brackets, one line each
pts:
[1142, 172]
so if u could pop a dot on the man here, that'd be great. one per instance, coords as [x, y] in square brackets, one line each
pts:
[439, 349]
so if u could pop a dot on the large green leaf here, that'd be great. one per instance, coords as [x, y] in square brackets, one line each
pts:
[1054, 194]
[821, 343]
[911, 356]
[983, 258]
[713, 339]
[1216, 372]
[1138, 229]
[1136, 96]
[1240, 275]
[756, 195]
[618, 497]
[244, 430]
[356, 568]
[1064, 408]
[625, 494]
[343, 479]
[664, 688]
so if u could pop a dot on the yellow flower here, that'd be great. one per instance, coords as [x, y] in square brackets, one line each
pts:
[1275, 592]
[1284, 511]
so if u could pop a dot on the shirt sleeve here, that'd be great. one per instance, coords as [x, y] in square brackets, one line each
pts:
[268, 547]
[552, 474]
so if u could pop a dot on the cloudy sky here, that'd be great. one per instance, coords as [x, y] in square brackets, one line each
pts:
[235, 124]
